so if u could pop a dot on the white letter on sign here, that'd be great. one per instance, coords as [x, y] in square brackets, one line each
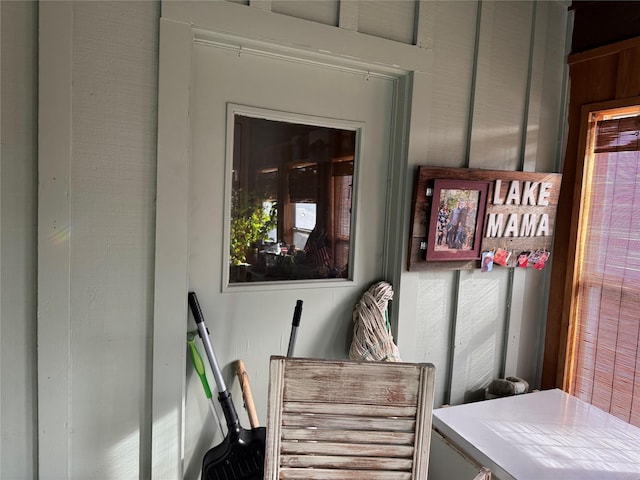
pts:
[544, 193]
[528, 224]
[496, 193]
[543, 226]
[494, 225]
[512, 226]
[513, 197]
[528, 193]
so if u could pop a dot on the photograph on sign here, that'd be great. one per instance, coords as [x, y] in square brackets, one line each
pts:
[456, 217]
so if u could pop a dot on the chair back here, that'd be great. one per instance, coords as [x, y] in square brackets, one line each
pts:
[343, 419]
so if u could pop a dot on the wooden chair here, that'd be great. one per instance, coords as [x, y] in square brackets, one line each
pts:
[342, 419]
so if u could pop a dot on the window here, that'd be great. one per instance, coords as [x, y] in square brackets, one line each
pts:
[604, 368]
[291, 202]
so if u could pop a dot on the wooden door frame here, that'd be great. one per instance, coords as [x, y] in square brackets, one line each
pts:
[604, 78]
[182, 24]
[584, 166]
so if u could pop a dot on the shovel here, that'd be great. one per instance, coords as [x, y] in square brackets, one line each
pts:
[240, 456]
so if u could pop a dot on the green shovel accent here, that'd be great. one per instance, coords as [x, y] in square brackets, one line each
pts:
[198, 365]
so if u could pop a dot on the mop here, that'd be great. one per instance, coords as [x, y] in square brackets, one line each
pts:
[372, 339]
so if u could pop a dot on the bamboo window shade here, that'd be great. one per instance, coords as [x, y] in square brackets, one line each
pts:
[606, 369]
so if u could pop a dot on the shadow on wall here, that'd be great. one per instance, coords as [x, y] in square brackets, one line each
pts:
[474, 395]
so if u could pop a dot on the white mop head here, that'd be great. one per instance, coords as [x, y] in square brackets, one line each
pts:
[372, 339]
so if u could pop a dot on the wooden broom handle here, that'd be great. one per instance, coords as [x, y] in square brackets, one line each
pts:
[243, 377]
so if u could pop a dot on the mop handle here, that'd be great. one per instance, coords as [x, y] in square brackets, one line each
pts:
[297, 313]
[204, 335]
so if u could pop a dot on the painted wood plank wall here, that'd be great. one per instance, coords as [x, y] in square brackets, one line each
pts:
[490, 105]
[98, 88]
[490, 96]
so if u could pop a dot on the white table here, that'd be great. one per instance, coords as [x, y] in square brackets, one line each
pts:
[544, 435]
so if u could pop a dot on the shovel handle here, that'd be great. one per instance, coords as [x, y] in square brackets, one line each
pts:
[224, 397]
[243, 377]
[297, 313]
[206, 341]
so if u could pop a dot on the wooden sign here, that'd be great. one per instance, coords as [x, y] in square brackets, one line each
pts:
[459, 213]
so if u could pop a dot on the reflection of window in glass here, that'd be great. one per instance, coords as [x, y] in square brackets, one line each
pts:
[342, 202]
[291, 201]
[304, 222]
[268, 207]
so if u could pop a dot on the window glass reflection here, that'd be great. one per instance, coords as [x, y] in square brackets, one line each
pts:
[291, 201]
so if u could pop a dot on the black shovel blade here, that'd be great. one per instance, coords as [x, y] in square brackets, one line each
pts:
[239, 459]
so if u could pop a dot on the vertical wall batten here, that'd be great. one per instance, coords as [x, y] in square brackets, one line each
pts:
[474, 80]
[507, 323]
[452, 336]
[398, 175]
[391, 20]
[421, 37]
[527, 96]
[263, 4]
[562, 127]
[18, 239]
[558, 157]
[348, 15]
[512, 317]
[324, 12]
[55, 369]
[1, 221]
[467, 161]
[173, 139]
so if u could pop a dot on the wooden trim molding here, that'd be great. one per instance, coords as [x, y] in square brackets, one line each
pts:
[604, 51]
[568, 331]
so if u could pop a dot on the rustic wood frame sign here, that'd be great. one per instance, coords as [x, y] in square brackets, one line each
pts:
[458, 213]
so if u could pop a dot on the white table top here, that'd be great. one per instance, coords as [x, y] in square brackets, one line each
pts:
[544, 435]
